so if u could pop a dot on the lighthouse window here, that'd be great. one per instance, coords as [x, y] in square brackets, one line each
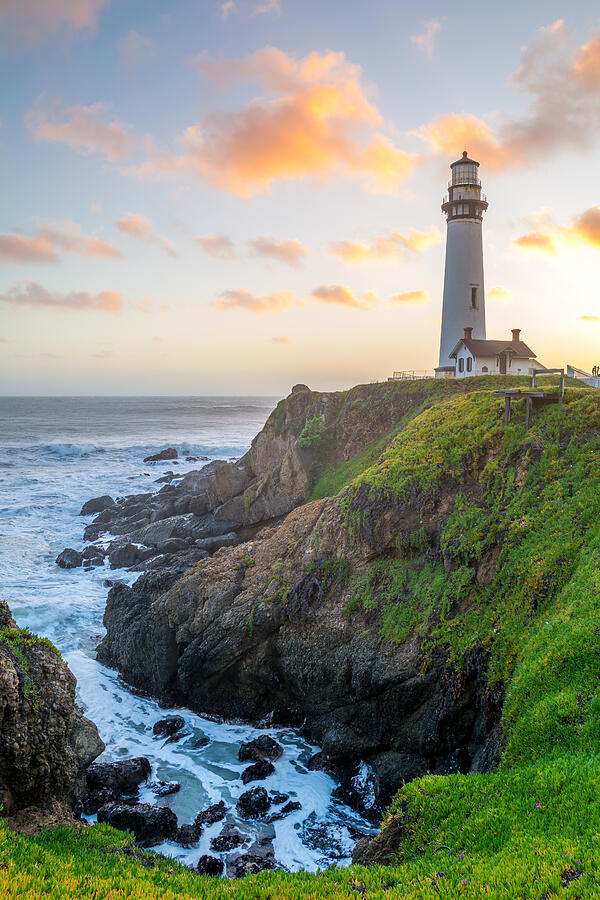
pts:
[461, 364]
[474, 297]
[469, 364]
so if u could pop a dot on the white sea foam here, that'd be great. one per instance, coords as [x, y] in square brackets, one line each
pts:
[50, 463]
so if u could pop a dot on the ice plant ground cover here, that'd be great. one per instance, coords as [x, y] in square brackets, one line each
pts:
[531, 500]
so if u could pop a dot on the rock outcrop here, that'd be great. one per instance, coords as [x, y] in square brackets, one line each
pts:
[46, 743]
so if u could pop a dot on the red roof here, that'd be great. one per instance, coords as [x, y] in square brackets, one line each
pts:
[493, 348]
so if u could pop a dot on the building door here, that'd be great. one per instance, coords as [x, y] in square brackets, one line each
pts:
[503, 363]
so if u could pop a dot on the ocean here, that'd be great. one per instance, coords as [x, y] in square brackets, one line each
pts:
[55, 453]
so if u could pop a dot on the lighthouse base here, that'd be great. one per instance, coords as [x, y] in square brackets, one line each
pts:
[445, 372]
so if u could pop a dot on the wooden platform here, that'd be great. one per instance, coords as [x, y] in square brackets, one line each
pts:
[532, 396]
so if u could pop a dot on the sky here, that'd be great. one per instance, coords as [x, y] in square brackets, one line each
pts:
[232, 196]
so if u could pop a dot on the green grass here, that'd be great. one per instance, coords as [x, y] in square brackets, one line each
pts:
[527, 507]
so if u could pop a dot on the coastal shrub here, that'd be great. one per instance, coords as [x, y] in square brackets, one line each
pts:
[312, 433]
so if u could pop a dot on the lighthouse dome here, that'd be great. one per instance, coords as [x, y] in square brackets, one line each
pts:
[464, 170]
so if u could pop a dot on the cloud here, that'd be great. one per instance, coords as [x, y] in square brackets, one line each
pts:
[50, 356]
[33, 22]
[83, 128]
[104, 354]
[290, 252]
[425, 41]
[37, 297]
[319, 123]
[281, 340]
[561, 82]
[390, 247]
[141, 229]
[409, 297]
[135, 48]
[51, 237]
[548, 236]
[590, 318]
[267, 6]
[342, 295]
[242, 299]
[227, 9]
[19, 248]
[218, 245]
[499, 293]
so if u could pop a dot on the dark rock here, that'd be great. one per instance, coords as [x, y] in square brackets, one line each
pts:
[187, 835]
[378, 851]
[121, 556]
[169, 726]
[150, 824]
[210, 544]
[333, 840]
[123, 776]
[317, 763]
[69, 559]
[258, 858]
[290, 807]
[165, 479]
[253, 803]
[229, 838]
[263, 747]
[97, 505]
[209, 865]
[300, 387]
[169, 453]
[164, 788]
[94, 556]
[211, 814]
[176, 737]
[258, 771]
[200, 742]
[277, 799]
[92, 800]
[173, 545]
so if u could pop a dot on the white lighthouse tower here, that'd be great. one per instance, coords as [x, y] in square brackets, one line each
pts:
[464, 297]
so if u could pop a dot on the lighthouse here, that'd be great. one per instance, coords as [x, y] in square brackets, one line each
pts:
[463, 305]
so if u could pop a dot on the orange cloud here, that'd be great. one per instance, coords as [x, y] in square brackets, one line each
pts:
[409, 297]
[539, 241]
[83, 128]
[549, 237]
[216, 245]
[426, 40]
[140, 228]
[586, 227]
[281, 340]
[561, 81]
[390, 247]
[499, 293]
[242, 299]
[18, 248]
[590, 318]
[342, 295]
[290, 252]
[37, 297]
[320, 123]
[35, 21]
[67, 236]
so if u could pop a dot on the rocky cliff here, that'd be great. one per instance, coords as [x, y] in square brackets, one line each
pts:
[46, 743]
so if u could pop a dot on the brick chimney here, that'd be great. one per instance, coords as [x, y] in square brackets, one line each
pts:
[516, 334]
[468, 334]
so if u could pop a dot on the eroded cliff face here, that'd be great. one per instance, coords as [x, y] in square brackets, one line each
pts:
[46, 743]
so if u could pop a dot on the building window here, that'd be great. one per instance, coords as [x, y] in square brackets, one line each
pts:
[474, 297]
[469, 364]
[461, 365]
[484, 369]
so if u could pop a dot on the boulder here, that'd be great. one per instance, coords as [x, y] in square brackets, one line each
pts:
[259, 857]
[97, 505]
[123, 776]
[258, 771]
[263, 747]
[211, 814]
[230, 480]
[277, 798]
[121, 556]
[209, 865]
[92, 800]
[229, 838]
[187, 835]
[290, 807]
[69, 559]
[253, 803]
[199, 742]
[169, 726]
[210, 544]
[164, 788]
[150, 824]
[300, 387]
[169, 453]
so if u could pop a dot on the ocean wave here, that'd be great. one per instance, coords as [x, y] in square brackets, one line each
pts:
[66, 451]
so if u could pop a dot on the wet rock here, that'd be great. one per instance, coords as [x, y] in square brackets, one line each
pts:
[121, 556]
[258, 771]
[92, 800]
[317, 763]
[123, 776]
[169, 453]
[94, 556]
[164, 788]
[150, 824]
[263, 747]
[277, 799]
[334, 841]
[177, 737]
[69, 559]
[229, 838]
[209, 865]
[168, 726]
[259, 857]
[253, 803]
[292, 806]
[210, 544]
[200, 742]
[187, 835]
[173, 545]
[211, 814]
[97, 505]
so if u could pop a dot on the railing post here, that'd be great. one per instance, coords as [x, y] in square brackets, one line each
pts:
[527, 412]
[506, 411]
